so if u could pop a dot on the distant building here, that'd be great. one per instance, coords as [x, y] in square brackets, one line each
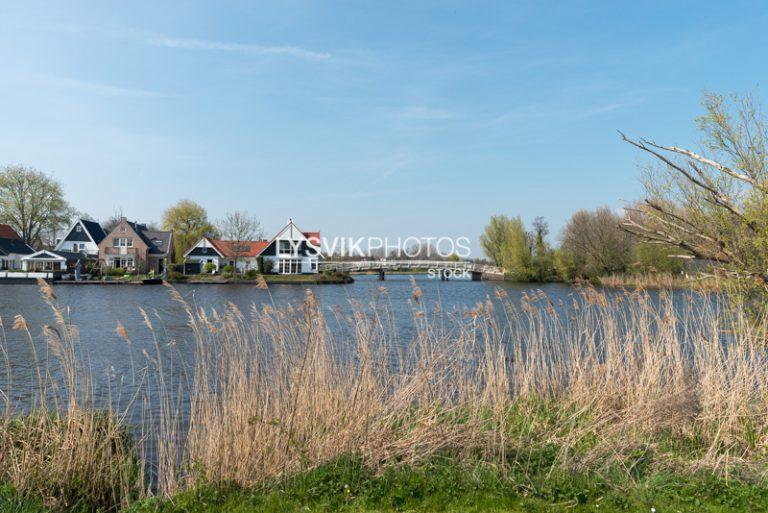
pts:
[221, 253]
[84, 236]
[291, 251]
[136, 248]
[12, 249]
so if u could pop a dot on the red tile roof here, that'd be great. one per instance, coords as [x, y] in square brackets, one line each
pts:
[6, 232]
[313, 237]
[250, 248]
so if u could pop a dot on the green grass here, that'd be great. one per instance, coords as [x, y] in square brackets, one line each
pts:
[269, 278]
[449, 486]
[452, 487]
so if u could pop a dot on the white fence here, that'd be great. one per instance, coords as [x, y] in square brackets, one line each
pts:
[30, 275]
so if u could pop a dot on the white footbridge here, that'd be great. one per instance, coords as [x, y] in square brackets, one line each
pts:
[444, 268]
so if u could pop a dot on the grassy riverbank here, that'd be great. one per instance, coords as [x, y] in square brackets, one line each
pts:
[306, 279]
[662, 281]
[597, 403]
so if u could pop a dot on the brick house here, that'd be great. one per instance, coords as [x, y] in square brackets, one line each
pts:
[136, 248]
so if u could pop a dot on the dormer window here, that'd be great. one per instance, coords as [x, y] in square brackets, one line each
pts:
[157, 242]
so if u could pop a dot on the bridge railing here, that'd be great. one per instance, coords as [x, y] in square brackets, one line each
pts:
[393, 265]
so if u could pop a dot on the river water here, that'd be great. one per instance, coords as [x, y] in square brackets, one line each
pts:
[96, 311]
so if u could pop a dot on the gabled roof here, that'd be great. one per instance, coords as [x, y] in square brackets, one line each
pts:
[159, 241]
[10, 242]
[44, 255]
[94, 229]
[249, 248]
[6, 232]
[313, 237]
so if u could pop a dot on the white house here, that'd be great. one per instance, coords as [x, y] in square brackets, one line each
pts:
[83, 237]
[221, 253]
[44, 261]
[293, 251]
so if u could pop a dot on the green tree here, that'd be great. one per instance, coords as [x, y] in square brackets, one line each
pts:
[494, 239]
[189, 223]
[655, 258]
[32, 203]
[507, 244]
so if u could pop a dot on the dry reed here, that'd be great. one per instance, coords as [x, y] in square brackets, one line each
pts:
[278, 390]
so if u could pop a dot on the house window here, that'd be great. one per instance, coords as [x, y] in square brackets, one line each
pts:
[123, 263]
[122, 242]
[285, 247]
[78, 228]
[290, 266]
[314, 265]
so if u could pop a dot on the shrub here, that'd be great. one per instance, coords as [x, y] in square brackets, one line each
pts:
[265, 266]
[228, 269]
[251, 274]
[176, 276]
[77, 461]
[114, 271]
[209, 267]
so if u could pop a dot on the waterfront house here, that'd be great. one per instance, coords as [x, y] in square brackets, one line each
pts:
[291, 251]
[84, 237]
[134, 247]
[45, 261]
[221, 253]
[12, 249]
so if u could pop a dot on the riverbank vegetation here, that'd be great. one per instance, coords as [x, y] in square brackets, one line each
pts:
[608, 399]
[593, 246]
[700, 211]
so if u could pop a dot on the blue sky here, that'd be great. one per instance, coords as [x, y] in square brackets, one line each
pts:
[362, 118]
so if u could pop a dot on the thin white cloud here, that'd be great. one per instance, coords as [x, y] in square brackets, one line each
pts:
[204, 44]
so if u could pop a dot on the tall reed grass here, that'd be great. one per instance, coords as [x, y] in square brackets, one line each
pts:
[608, 380]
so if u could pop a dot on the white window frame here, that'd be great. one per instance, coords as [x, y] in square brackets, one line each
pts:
[289, 266]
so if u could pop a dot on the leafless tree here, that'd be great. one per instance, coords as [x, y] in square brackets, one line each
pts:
[594, 244]
[712, 204]
[239, 227]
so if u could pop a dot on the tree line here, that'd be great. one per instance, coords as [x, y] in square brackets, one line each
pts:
[34, 205]
[592, 244]
[709, 205]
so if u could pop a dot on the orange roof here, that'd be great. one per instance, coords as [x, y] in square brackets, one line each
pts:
[313, 237]
[6, 232]
[250, 248]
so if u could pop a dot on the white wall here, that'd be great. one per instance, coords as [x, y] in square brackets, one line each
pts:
[90, 247]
